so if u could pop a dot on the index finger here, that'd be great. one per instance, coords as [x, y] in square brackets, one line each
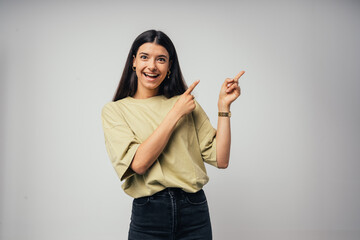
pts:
[238, 76]
[192, 86]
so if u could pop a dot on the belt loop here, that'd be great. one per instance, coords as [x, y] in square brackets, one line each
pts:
[183, 194]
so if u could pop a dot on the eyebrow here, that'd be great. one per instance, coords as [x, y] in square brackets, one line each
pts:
[157, 56]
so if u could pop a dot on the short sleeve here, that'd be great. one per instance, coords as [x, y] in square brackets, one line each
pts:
[121, 143]
[206, 135]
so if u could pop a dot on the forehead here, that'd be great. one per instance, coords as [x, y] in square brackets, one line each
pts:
[153, 49]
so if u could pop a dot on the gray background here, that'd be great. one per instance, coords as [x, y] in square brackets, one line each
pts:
[294, 171]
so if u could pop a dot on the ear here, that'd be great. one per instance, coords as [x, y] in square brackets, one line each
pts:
[134, 61]
[170, 64]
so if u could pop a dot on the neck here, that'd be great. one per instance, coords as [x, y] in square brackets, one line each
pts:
[145, 94]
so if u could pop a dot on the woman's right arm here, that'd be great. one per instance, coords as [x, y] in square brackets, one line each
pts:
[151, 148]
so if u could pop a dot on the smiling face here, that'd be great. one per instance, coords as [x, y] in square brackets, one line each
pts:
[152, 64]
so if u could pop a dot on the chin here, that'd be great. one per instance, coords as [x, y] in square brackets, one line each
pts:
[152, 85]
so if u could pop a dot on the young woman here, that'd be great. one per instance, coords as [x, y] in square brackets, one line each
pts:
[158, 138]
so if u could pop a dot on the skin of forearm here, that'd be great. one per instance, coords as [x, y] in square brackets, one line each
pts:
[223, 138]
[151, 148]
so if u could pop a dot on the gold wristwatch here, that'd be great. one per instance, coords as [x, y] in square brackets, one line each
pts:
[225, 114]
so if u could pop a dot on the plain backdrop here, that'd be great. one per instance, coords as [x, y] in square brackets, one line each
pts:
[294, 171]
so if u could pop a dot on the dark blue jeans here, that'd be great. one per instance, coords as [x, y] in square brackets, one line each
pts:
[171, 214]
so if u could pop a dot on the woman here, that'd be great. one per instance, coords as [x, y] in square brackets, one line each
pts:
[158, 138]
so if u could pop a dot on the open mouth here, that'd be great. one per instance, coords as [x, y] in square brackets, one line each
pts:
[150, 75]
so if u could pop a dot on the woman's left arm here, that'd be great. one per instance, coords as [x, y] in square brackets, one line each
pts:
[229, 92]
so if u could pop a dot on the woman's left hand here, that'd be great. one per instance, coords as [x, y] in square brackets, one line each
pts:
[229, 92]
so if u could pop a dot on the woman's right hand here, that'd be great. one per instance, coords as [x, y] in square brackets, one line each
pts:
[186, 103]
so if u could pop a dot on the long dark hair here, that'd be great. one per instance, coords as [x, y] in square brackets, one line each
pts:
[175, 85]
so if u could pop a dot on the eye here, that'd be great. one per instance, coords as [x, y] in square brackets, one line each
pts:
[162, 60]
[143, 57]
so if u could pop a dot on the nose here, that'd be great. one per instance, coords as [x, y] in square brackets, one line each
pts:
[152, 65]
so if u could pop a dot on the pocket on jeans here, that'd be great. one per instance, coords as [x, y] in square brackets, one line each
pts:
[141, 201]
[197, 198]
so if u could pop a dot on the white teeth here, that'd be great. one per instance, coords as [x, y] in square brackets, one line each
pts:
[151, 75]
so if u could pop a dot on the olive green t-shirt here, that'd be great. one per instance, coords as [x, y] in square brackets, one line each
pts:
[129, 122]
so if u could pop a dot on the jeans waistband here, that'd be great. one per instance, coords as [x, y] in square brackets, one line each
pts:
[172, 191]
[175, 192]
